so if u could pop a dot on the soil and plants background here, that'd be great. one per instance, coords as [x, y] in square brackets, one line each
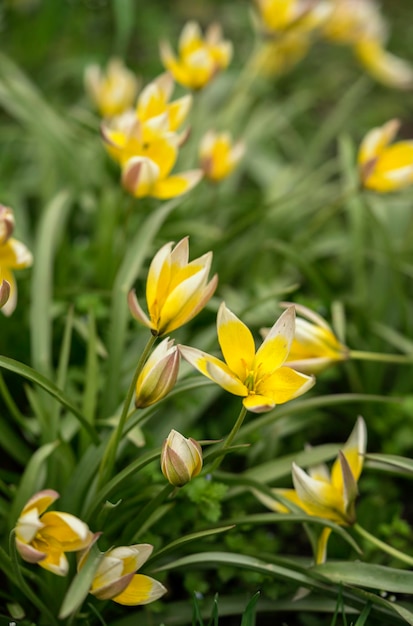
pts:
[293, 220]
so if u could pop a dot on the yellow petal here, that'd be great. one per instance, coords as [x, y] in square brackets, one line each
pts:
[176, 185]
[258, 404]
[276, 345]
[214, 369]
[236, 341]
[284, 384]
[320, 498]
[384, 66]
[376, 141]
[65, 530]
[321, 554]
[141, 590]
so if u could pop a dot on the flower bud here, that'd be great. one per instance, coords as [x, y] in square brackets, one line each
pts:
[181, 459]
[158, 375]
[4, 291]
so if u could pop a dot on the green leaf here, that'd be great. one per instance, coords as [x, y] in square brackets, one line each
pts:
[31, 480]
[30, 374]
[189, 538]
[248, 619]
[81, 583]
[391, 461]
[367, 575]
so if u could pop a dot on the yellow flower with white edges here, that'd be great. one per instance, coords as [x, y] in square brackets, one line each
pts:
[200, 58]
[44, 538]
[260, 377]
[282, 15]
[219, 156]
[154, 100]
[384, 167]
[325, 494]
[113, 91]
[315, 346]
[13, 256]
[176, 289]
[181, 459]
[116, 580]
[158, 375]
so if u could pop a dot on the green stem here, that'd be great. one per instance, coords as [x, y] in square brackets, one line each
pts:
[23, 586]
[109, 456]
[150, 507]
[230, 438]
[383, 546]
[382, 357]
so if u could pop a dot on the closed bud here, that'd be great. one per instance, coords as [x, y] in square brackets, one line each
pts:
[158, 375]
[181, 459]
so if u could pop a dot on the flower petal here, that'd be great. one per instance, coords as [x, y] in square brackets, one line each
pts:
[141, 590]
[176, 185]
[214, 369]
[285, 384]
[236, 341]
[319, 498]
[65, 530]
[257, 403]
[275, 348]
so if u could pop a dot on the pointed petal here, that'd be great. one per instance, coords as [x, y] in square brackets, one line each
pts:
[214, 369]
[354, 451]
[136, 310]
[275, 348]
[141, 590]
[321, 554]
[236, 341]
[320, 498]
[376, 140]
[176, 185]
[41, 500]
[384, 66]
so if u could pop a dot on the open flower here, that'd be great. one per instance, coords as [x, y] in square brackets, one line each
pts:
[115, 578]
[260, 378]
[154, 100]
[283, 15]
[385, 167]
[315, 345]
[112, 92]
[176, 290]
[158, 375]
[199, 58]
[13, 256]
[328, 495]
[218, 155]
[181, 459]
[44, 538]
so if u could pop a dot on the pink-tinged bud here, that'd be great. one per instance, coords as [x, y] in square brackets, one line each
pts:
[181, 459]
[6, 224]
[4, 291]
[158, 375]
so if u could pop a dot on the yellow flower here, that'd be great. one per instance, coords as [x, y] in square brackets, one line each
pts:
[328, 495]
[176, 290]
[6, 224]
[282, 15]
[13, 256]
[158, 375]
[383, 65]
[258, 377]
[199, 58]
[181, 459]
[315, 345]
[113, 92]
[385, 167]
[115, 578]
[280, 55]
[44, 538]
[154, 101]
[218, 155]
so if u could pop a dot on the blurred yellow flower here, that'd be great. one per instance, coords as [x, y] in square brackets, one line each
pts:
[13, 256]
[383, 65]
[219, 156]
[315, 345]
[4, 290]
[115, 578]
[259, 377]
[176, 290]
[282, 15]
[181, 459]
[43, 538]
[200, 58]
[385, 167]
[113, 91]
[328, 495]
[154, 100]
[158, 375]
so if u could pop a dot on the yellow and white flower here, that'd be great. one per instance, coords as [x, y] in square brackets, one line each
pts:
[383, 167]
[115, 578]
[113, 91]
[283, 15]
[200, 58]
[13, 256]
[259, 377]
[219, 156]
[158, 375]
[44, 538]
[154, 100]
[176, 290]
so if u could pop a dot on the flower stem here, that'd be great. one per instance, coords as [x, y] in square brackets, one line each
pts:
[383, 546]
[380, 356]
[151, 506]
[230, 438]
[109, 456]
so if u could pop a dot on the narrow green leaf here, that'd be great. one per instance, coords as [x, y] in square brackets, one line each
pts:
[248, 619]
[391, 461]
[80, 585]
[31, 480]
[189, 538]
[30, 374]
[367, 575]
